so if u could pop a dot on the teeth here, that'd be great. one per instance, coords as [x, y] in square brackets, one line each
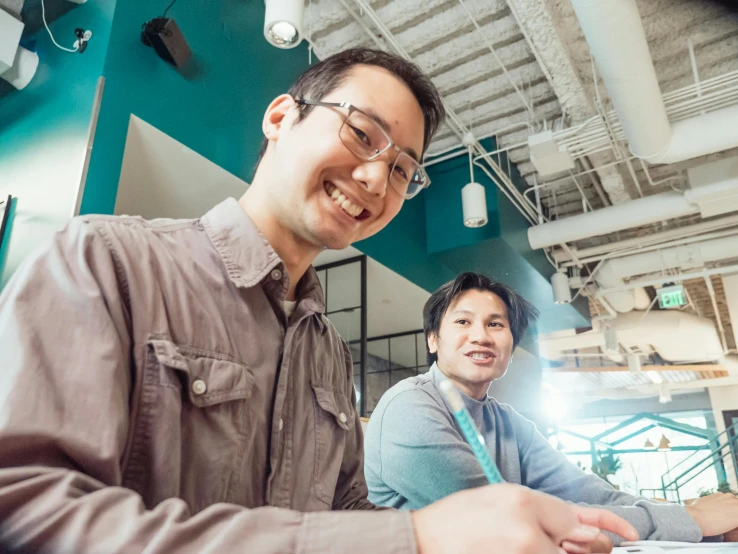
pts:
[340, 199]
[479, 356]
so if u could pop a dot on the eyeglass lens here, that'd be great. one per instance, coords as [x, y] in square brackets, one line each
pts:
[366, 139]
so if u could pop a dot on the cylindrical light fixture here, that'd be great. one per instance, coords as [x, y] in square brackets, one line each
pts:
[474, 204]
[283, 22]
[612, 346]
[664, 394]
[634, 363]
[23, 70]
[560, 288]
[473, 198]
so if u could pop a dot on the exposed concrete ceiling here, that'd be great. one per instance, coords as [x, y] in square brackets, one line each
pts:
[545, 55]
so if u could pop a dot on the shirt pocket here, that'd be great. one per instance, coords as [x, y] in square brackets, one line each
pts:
[334, 417]
[189, 425]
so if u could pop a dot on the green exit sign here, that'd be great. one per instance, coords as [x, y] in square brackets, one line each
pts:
[672, 297]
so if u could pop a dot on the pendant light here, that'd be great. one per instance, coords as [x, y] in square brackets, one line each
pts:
[473, 195]
[283, 22]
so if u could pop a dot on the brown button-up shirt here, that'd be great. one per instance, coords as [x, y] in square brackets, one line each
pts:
[154, 397]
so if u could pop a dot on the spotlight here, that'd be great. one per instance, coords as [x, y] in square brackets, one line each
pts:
[634, 363]
[664, 394]
[474, 204]
[473, 195]
[283, 22]
[560, 288]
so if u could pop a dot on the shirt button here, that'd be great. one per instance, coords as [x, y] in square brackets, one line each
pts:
[281, 424]
[199, 387]
[276, 274]
[342, 417]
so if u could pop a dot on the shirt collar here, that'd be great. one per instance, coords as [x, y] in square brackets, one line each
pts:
[249, 258]
[475, 407]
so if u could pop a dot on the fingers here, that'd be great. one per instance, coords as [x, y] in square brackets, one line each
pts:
[601, 545]
[607, 521]
[576, 547]
[556, 517]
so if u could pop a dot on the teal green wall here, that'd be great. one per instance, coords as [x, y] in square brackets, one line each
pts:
[43, 129]
[214, 106]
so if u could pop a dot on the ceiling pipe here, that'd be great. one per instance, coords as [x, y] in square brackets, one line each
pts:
[643, 211]
[676, 336]
[612, 273]
[650, 241]
[617, 40]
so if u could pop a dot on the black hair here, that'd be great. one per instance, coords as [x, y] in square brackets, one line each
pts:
[324, 77]
[520, 312]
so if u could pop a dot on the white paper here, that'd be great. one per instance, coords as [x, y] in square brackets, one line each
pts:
[660, 547]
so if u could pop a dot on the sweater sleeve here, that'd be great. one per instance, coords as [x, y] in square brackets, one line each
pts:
[545, 469]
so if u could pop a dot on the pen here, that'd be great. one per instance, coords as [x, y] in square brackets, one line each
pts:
[471, 434]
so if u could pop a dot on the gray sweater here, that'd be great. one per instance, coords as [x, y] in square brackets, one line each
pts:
[416, 454]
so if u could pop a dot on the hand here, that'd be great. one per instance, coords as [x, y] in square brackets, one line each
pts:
[716, 514]
[508, 518]
[600, 544]
[731, 536]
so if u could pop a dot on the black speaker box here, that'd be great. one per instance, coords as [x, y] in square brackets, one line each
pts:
[164, 36]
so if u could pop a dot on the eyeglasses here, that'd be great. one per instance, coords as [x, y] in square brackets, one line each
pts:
[367, 140]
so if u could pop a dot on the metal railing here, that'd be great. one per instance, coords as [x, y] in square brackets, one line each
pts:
[696, 465]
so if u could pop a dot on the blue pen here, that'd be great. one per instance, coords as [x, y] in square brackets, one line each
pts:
[471, 434]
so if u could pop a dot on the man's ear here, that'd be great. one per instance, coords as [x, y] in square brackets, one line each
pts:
[432, 343]
[275, 115]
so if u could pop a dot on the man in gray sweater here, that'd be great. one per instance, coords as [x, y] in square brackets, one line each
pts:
[416, 454]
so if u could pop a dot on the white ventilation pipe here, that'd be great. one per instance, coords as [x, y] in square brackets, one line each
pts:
[643, 211]
[611, 273]
[676, 336]
[617, 40]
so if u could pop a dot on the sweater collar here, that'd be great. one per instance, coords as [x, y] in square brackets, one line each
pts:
[475, 407]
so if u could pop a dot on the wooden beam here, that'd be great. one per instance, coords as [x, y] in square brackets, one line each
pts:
[600, 369]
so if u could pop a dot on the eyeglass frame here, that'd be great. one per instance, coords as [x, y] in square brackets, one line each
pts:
[390, 143]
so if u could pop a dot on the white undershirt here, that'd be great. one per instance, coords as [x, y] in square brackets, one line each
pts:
[289, 307]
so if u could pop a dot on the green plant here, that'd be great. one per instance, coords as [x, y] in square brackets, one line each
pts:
[723, 486]
[607, 464]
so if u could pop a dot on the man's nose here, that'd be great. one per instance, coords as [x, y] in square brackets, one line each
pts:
[373, 176]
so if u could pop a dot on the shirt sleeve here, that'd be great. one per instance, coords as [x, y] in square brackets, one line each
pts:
[545, 469]
[422, 456]
[64, 412]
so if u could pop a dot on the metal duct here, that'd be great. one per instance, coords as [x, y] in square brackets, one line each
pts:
[617, 40]
[676, 336]
[718, 198]
[612, 273]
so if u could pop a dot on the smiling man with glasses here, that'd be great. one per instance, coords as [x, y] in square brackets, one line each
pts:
[174, 386]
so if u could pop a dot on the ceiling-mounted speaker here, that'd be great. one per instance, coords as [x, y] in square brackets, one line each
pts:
[164, 36]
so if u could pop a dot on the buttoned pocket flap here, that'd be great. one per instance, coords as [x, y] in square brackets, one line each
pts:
[337, 404]
[210, 378]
